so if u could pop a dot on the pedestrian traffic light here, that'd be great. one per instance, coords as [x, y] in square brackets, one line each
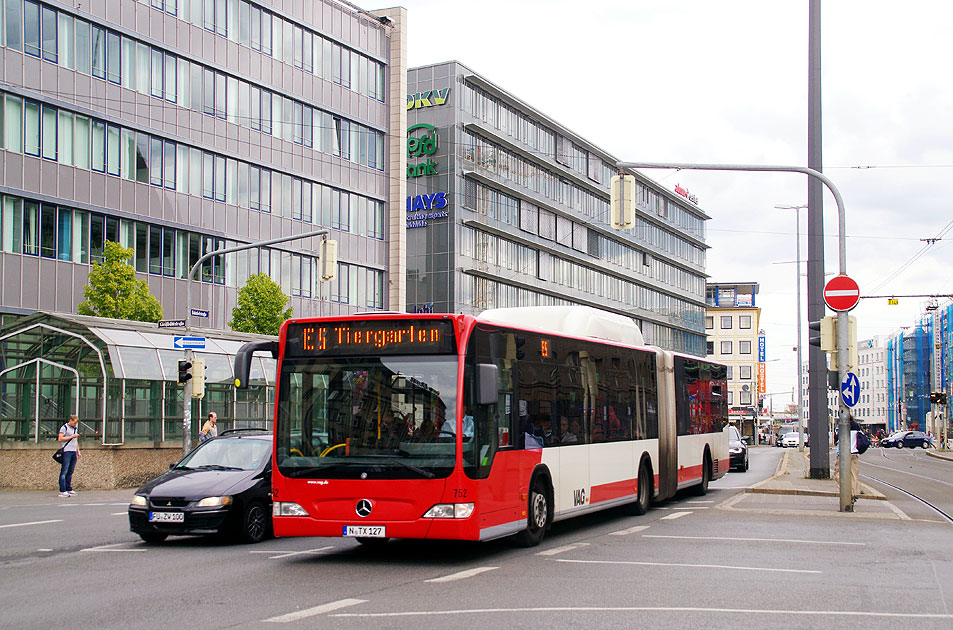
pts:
[185, 371]
[938, 398]
[622, 201]
[198, 377]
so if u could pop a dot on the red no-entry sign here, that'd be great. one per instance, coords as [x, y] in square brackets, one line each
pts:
[841, 293]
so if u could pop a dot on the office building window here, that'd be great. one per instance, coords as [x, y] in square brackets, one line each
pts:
[725, 347]
[744, 347]
[709, 322]
[744, 372]
[725, 322]
[744, 322]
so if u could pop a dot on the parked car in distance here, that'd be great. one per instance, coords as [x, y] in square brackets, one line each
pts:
[737, 450]
[906, 439]
[779, 442]
[791, 439]
[223, 486]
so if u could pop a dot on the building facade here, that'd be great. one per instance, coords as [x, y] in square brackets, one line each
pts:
[178, 127]
[506, 207]
[871, 410]
[734, 337]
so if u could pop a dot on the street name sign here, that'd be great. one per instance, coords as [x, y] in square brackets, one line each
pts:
[197, 312]
[850, 389]
[171, 323]
[194, 343]
[841, 293]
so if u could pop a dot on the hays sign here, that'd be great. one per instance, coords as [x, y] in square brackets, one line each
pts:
[422, 208]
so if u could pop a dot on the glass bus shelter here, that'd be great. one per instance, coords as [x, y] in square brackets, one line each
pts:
[120, 377]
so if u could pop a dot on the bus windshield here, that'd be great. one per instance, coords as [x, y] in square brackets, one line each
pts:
[390, 417]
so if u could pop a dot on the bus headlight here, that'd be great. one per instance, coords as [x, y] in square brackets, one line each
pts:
[287, 508]
[450, 510]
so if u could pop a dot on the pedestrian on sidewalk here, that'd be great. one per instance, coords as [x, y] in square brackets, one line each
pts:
[209, 430]
[69, 434]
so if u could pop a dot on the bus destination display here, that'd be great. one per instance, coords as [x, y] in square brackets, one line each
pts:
[401, 336]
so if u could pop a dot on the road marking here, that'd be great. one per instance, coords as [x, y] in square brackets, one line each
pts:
[945, 483]
[631, 530]
[693, 566]
[674, 515]
[462, 575]
[773, 540]
[288, 554]
[554, 551]
[694, 507]
[44, 550]
[630, 609]
[699, 501]
[112, 548]
[120, 514]
[58, 520]
[317, 610]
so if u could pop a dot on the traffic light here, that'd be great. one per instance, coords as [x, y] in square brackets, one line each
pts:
[328, 253]
[185, 371]
[198, 378]
[622, 201]
[823, 333]
[938, 398]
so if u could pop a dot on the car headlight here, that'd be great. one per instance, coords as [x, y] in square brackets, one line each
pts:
[139, 501]
[736, 449]
[214, 502]
[450, 510]
[287, 508]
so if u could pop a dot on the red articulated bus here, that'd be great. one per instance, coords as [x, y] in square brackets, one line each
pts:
[474, 428]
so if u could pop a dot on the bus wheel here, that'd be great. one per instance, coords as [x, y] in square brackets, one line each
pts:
[643, 493]
[537, 515]
[702, 488]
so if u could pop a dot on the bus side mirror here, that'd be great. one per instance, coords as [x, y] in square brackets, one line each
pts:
[243, 359]
[487, 385]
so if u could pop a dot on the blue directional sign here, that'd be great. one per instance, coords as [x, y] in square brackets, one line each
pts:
[850, 389]
[195, 343]
[197, 312]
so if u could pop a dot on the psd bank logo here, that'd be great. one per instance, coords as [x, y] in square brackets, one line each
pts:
[421, 143]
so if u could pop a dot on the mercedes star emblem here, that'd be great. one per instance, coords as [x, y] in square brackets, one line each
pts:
[363, 508]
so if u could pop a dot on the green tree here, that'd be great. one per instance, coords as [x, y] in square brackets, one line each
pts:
[113, 290]
[260, 304]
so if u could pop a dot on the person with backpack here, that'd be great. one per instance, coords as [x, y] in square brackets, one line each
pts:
[859, 442]
[69, 434]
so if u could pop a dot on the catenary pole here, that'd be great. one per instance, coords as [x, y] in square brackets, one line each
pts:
[846, 498]
[189, 355]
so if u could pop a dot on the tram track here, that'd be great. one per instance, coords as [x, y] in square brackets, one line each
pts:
[914, 496]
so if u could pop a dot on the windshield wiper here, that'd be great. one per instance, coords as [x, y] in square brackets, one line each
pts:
[396, 459]
[182, 468]
[218, 467]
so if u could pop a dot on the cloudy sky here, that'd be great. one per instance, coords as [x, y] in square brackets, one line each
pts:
[726, 82]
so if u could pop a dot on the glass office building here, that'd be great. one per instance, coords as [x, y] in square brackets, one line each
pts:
[506, 207]
[175, 127]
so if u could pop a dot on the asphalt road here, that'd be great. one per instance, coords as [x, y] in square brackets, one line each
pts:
[685, 564]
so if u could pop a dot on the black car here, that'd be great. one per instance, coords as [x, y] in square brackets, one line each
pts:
[906, 439]
[737, 450]
[223, 486]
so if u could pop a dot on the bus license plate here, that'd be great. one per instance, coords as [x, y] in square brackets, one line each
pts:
[365, 531]
[166, 517]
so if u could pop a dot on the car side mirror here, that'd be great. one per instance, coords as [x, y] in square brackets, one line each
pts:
[745, 439]
[173, 465]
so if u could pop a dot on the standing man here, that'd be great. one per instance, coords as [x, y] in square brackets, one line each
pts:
[209, 430]
[69, 434]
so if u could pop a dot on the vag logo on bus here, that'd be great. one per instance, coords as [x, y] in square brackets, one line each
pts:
[579, 497]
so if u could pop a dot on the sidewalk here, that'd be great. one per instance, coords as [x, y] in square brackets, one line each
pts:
[791, 491]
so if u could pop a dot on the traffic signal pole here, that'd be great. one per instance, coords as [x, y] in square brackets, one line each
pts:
[846, 498]
[189, 355]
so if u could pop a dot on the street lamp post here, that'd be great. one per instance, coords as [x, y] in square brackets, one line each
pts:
[187, 405]
[800, 369]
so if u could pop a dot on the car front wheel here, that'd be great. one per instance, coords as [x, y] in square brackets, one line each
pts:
[899, 444]
[254, 525]
[926, 444]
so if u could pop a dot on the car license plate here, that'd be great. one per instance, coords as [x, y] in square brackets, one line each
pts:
[166, 517]
[365, 531]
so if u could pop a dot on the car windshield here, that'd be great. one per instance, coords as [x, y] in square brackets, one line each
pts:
[733, 434]
[228, 454]
[390, 417]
